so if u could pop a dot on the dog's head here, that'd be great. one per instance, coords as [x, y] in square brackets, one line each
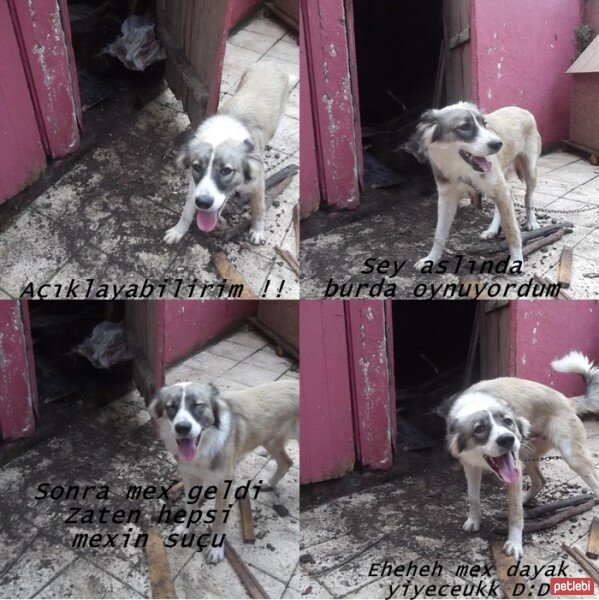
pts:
[188, 410]
[460, 127]
[485, 432]
[218, 165]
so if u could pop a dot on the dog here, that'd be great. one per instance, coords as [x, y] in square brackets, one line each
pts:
[472, 152]
[505, 424]
[210, 431]
[224, 156]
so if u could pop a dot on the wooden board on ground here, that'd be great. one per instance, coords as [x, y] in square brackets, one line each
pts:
[247, 578]
[159, 571]
[513, 586]
[247, 521]
[564, 275]
[227, 270]
[593, 542]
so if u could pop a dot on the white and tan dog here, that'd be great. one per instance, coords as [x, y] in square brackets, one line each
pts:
[225, 154]
[209, 432]
[472, 152]
[504, 424]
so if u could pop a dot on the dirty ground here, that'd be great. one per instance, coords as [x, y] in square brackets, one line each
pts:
[418, 517]
[399, 224]
[106, 217]
[117, 446]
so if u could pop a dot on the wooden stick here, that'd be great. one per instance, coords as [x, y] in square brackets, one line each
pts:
[593, 542]
[551, 521]
[583, 561]
[251, 584]
[564, 274]
[247, 521]
[228, 271]
[527, 236]
[537, 511]
[289, 259]
[158, 568]
[541, 243]
[296, 227]
[503, 563]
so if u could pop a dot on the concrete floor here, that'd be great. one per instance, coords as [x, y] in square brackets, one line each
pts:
[418, 517]
[117, 446]
[105, 218]
[398, 224]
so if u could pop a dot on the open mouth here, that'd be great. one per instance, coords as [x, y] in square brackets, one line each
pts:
[188, 446]
[505, 466]
[207, 221]
[478, 163]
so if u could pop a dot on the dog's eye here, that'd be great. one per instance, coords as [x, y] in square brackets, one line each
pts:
[226, 171]
[508, 421]
[479, 429]
[464, 126]
[196, 166]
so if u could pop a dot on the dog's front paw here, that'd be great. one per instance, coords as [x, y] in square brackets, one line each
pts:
[215, 555]
[172, 236]
[489, 234]
[532, 224]
[424, 262]
[471, 524]
[513, 549]
[257, 236]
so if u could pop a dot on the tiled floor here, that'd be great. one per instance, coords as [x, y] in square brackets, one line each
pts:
[105, 219]
[399, 224]
[342, 538]
[117, 446]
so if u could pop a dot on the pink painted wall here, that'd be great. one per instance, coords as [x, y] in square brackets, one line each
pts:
[190, 324]
[521, 50]
[543, 330]
[326, 431]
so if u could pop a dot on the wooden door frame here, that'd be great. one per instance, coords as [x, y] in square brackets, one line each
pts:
[331, 65]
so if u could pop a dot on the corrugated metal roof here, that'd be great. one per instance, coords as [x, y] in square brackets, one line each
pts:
[588, 61]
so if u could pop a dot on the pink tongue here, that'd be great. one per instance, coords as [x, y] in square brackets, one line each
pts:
[187, 449]
[483, 163]
[507, 468]
[207, 220]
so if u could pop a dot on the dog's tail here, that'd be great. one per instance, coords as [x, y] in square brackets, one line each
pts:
[576, 362]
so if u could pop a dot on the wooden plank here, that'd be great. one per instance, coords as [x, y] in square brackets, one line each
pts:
[227, 270]
[503, 565]
[588, 61]
[461, 38]
[593, 541]
[159, 571]
[564, 275]
[247, 578]
[369, 380]
[583, 561]
[247, 521]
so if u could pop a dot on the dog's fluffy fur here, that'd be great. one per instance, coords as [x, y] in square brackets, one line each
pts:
[472, 152]
[495, 425]
[225, 154]
[209, 432]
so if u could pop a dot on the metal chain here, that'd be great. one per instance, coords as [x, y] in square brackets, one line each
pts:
[542, 458]
[562, 211]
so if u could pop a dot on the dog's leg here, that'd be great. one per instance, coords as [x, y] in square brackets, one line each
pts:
[174, 234]
[537, 481]
[215, 555]
[277, 450]
[515, 517]
[528, 170]
[473, 476]
[579, 459]
[493, 229]
[446, 208]
[257, 209]
[507, 213]
[188, 483]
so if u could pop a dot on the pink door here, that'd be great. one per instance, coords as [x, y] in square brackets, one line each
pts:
[348, 401]
[18, 391]
[330, 60]
[40, 111]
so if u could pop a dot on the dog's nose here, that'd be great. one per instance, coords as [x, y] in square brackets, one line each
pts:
[496, 145]
[183, 427]
[506, 441]
[204, 201]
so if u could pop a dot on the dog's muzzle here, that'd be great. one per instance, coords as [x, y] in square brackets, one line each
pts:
[505, 466]
[478, 163]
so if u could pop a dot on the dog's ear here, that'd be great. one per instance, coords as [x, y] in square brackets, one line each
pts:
[250, 155]
[415, 148]
[430, 120]
[214, 394]
[523, 425]
[249, 146]
[156, 406]
[183, 160]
